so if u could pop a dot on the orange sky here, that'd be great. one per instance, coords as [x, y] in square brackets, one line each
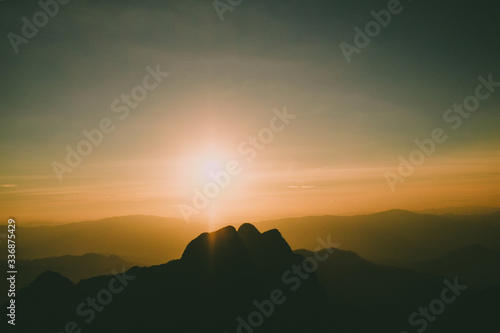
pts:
[175, 94]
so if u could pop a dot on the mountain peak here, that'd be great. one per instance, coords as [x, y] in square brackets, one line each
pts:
[396, 212]
[248, 231]
[217, 249]
[48, 283]
[50, 279]
[226, 248]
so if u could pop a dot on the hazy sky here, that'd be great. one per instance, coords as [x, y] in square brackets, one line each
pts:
[352, 120]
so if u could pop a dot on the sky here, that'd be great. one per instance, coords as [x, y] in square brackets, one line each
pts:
[328, 130]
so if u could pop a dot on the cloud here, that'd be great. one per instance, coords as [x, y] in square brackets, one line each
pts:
[8, 185]
[300, 186]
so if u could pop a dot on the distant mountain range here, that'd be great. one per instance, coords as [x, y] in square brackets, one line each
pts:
[245, 281]
[395, 236]
[391, 237]
[467, 210]
[147, 239]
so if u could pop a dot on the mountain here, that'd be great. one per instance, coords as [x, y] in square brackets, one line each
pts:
[383, 296]
[468, 210]
[350, 279]
[75, 268]
[392, 237]
[224, 280]
[246, 281]
[145, 239]
[367, 297]
[475, 264]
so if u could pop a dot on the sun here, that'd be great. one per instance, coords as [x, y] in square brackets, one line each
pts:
[208, 161]
[197, 166]
[209, 181]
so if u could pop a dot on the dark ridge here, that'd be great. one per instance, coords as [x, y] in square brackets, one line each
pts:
[217, 249]
[51, 280]
[248, 233]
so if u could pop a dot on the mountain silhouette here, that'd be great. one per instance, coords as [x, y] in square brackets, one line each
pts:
[395, 236]
[385, 297]
[220, 280]
[390, 237]
[140, 238]
[245, 281]
[75, 268]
